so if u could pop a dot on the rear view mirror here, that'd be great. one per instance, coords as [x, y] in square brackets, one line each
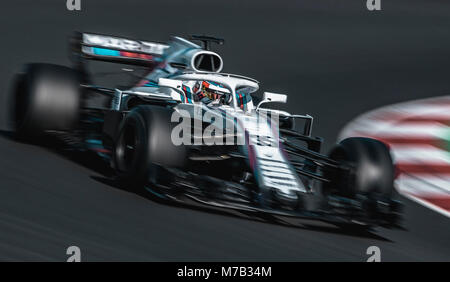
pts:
[269, 97]
[175, 87]
[274, 97]
[172, 83]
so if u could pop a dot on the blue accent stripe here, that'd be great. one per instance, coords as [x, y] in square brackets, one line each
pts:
[105, 52]
[94, 141]
[95, 119]
[187, 91]
[215, 84]
[151, 84]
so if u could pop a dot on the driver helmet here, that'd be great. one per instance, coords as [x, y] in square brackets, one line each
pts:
[214, 91]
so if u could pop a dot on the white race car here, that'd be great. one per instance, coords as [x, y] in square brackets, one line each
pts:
[188, 133]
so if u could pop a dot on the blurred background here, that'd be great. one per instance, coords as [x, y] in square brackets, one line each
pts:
[334, 59]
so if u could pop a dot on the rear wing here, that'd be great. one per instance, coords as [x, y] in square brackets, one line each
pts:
[108, 48]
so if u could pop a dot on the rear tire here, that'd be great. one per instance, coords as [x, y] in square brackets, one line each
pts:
[45, 97]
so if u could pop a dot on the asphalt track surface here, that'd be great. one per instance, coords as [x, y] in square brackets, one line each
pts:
[335, 59]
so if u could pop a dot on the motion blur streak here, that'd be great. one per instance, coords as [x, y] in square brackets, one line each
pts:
[418, 133]
[334, 58]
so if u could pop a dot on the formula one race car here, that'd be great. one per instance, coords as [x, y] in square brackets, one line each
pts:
[188, 133]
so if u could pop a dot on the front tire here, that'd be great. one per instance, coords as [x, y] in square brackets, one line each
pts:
[144, 145]
[372, 173]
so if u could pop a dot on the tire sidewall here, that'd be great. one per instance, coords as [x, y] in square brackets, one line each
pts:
[139, 167]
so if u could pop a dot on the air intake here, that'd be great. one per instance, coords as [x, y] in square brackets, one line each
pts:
[207, 62]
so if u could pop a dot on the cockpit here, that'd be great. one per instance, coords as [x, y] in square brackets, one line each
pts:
[218, 89]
